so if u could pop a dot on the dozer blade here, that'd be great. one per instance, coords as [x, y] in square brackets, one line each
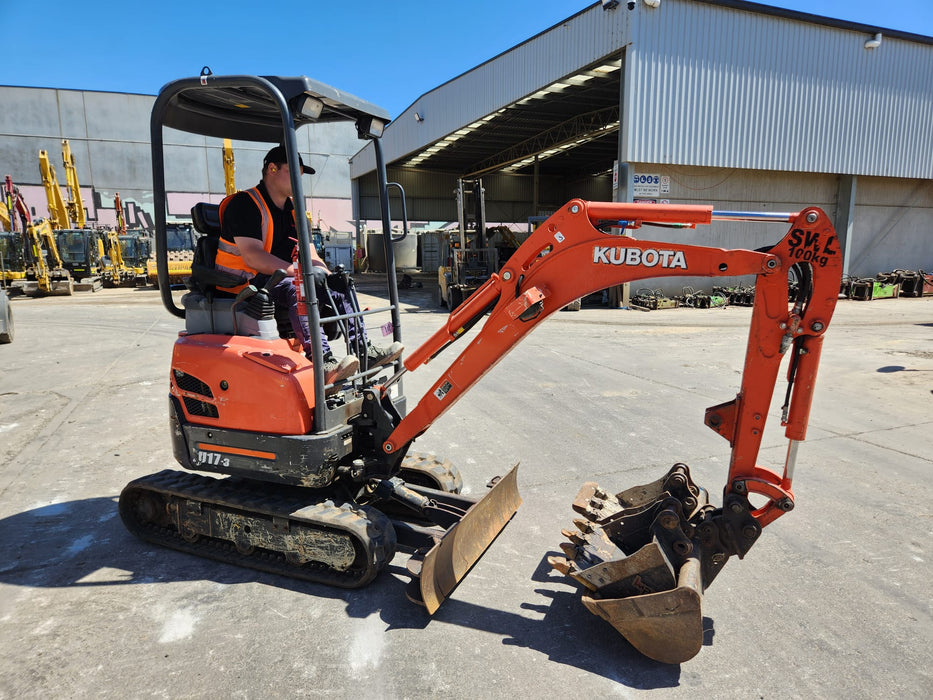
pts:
[666, 626]
[448, 561]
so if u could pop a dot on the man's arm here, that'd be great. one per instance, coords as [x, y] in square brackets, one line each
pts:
[316, 259]
[255, 255]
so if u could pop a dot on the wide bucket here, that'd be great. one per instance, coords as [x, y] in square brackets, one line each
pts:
[644, 557]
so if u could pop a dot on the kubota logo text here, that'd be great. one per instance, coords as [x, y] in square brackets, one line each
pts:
[649, 257]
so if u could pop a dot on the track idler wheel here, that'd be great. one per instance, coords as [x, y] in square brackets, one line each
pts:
[646, 555]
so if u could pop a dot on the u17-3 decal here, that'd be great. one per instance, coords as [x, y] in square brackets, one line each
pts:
[212, 458]
[812, 247]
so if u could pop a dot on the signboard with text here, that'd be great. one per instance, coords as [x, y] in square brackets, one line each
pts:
[645, 185]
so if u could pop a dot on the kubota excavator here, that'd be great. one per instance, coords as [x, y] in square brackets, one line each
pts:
[321, 482]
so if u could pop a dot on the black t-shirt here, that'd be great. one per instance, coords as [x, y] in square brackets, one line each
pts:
[243, 218]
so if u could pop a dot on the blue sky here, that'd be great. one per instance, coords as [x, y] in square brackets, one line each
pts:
[389, 53]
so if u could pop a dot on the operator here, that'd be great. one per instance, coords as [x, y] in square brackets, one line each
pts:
[258, 236]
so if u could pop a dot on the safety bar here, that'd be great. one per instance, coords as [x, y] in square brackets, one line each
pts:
[357, 314]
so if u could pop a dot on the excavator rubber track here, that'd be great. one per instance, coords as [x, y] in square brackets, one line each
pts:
[282, 530]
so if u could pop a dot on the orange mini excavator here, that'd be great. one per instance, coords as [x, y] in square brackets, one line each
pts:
[319, 481]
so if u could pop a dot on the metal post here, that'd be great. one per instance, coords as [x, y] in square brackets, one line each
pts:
[845, 216]
[381, 180]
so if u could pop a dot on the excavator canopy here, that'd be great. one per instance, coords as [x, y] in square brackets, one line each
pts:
[233, 108]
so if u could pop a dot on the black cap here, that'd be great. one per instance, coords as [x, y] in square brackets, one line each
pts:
[277, 155]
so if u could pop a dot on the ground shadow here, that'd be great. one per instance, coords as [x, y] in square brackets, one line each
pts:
[84, 544]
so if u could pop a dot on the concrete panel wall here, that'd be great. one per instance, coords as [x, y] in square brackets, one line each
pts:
[893, 226]
[30, 112]
[109, 137]
[71, 114]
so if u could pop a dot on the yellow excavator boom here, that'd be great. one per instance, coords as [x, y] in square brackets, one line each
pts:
[74, 205]
[229, 168]
[58, 211]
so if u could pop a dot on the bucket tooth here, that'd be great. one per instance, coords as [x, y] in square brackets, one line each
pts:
[573, 537]
[564, 566]
[594, 503]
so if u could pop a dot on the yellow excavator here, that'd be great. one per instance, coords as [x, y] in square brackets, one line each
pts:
[14, 219]
[32, 264]
[79, 248]
[118, 269]
[45, 273]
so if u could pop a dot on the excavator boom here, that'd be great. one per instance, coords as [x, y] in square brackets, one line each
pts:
[647, 554]
[14, 205]
[75, 204]
[58, 210]
[229, 168]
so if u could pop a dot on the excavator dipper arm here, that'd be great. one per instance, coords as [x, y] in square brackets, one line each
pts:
[647, 554]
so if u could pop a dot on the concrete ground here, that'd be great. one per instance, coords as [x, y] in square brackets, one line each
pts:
[834, 601]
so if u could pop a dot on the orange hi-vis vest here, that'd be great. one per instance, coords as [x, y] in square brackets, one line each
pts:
[228, 254]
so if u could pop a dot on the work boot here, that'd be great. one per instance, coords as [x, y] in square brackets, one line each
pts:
[379, 355]
[337, 370]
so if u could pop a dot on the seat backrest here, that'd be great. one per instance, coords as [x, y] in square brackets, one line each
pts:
[206, 218]
[204, 276]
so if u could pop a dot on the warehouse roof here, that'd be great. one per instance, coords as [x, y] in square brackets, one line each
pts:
[557, 95]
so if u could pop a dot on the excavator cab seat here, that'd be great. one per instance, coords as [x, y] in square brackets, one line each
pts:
[207, 308]
[206, 219]
[211, 308]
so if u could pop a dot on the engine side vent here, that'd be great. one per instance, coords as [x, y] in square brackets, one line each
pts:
[200, 408]
[186, 382]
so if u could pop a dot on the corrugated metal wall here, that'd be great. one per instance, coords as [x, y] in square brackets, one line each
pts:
[716, 86]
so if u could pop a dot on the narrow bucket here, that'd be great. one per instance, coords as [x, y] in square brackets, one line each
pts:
[666, 626]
